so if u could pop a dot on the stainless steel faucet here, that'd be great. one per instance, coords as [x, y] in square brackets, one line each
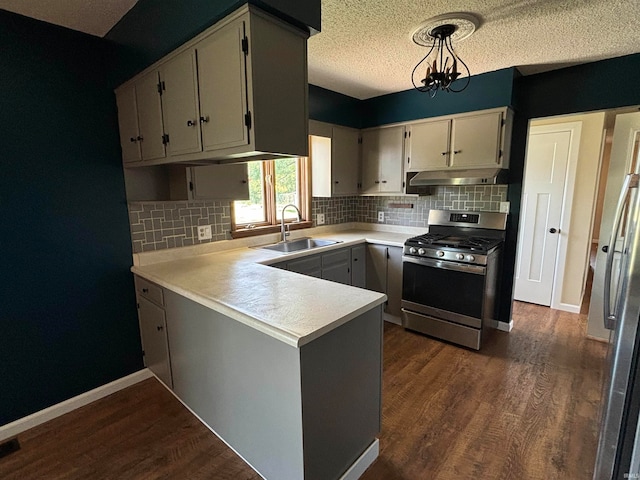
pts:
[283, 231]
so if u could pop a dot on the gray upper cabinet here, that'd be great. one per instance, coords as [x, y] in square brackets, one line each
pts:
[382, 155]
[223, 91]
[225, 94]
[335, 159]
[140, 120]
[470, 140]
[180, 104]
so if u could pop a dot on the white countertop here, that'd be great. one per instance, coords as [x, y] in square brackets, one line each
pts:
[237, 282]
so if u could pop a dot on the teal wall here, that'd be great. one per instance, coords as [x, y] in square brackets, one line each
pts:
[68, 321]
[332, 107]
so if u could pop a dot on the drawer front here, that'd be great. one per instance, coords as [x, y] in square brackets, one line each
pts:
[149, 290]
[342, 256]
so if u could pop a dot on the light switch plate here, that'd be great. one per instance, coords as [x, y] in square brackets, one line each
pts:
[320, 219]
[504, 207]
[381, 216]
[204, 232]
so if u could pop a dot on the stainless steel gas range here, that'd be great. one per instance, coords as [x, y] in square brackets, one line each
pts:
[450, 276]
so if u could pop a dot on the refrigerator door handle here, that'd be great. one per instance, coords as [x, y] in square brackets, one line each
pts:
[630, 181]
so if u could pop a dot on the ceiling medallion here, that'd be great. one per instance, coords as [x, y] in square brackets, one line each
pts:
[442, 66]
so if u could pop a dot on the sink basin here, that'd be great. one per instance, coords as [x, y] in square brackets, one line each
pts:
[299, 244]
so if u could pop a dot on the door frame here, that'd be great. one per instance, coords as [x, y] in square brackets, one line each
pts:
[575, 129]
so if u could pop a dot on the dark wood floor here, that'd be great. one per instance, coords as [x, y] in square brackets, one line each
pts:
[525, 407]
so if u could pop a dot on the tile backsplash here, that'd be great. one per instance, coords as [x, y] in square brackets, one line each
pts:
[159, 225]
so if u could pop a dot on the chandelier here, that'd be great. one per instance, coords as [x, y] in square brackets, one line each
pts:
[441, 66]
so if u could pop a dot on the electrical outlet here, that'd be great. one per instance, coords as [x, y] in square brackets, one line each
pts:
[504, 207]
[381, 216]
[204, 232]
[320, 219]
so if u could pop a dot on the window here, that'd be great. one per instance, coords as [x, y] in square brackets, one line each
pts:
[272, 185]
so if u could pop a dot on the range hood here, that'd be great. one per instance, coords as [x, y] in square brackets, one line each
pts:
[476, 176]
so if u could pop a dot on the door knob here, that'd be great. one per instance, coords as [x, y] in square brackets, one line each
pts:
[553, 230]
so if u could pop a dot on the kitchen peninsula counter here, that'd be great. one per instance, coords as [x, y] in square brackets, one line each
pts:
[252, 347]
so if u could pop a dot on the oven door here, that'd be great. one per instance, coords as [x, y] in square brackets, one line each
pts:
[443, 289]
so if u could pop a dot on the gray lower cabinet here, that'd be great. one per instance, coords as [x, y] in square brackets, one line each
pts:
[336, 266]
[359, 266]
[346, 265]
[153, 329]
[384, 275]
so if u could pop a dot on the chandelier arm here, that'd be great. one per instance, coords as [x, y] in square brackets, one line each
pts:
[421, 89]
[468, 77]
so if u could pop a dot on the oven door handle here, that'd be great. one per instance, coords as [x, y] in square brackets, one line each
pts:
[447, 265]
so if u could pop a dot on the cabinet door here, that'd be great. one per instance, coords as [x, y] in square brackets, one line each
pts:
[359, 266]
[377, 268]
[223, 88]
[336, 266]
[371, 153]
[128, 124]
[475, 141]
[153, 330]
[390, 161]
[311, 266]
[150, 117]
[180, 104]
[394, 281]
[428, 145]
[345, 154]
[220, 182]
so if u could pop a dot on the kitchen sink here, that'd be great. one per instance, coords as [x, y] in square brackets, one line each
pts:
[299, 244]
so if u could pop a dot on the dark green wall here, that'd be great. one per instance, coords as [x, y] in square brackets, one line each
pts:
[332, 107]
[68, 321]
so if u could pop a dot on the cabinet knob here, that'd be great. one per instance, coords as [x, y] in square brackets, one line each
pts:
[377, 181]
[191, 123]
[244, 181]
[444, 153]
[337, 182]
[384, 181]
[204, 119]
[139, 138]
[145, 290]
[160, 328]
[133, 139]
[553, 230]
[457, 151]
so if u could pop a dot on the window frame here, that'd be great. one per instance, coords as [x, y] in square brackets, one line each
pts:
[272, 225]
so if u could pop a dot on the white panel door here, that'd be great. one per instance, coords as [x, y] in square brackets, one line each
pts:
[150, 117]
[541, 212]
[223, 88]
[180, 104]
[624, 159]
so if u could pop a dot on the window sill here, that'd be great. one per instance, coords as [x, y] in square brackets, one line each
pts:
[263, 230]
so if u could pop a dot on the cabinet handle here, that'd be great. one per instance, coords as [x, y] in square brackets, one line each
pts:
[444, 153]
[145, 290]
[191, 123]
[204, 119]
[133, 139]
[377, 181]
[457, 151]
[139, 138]
[160, 328]
[384, 181]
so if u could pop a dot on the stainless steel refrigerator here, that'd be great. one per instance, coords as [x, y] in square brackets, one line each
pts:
[619, 443]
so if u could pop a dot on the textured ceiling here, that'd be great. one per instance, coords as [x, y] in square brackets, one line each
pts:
[95, 17]
[365, 47]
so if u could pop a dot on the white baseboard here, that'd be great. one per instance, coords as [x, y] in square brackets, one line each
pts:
[391, 318]
[22, 424]
[505, 327]
[567, 307]
[363, 462]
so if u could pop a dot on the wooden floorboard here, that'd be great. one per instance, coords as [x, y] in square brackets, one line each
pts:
[525, 407]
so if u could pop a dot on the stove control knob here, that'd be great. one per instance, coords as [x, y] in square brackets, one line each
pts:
[413, 250]
[459, 256]
[440, 253]
[471, 258]
[421, 251]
